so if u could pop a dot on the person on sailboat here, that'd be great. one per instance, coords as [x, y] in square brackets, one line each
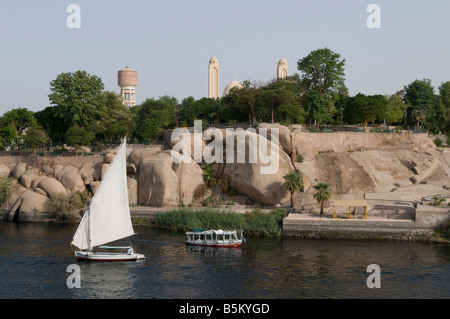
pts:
[130, 251]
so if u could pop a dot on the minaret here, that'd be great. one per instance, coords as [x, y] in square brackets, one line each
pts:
[283, 69]
[128, 81]
[213, 78]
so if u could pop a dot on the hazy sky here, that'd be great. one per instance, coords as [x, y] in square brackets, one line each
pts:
[170, 43]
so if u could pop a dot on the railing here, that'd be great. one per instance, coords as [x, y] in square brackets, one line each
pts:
[388, 209]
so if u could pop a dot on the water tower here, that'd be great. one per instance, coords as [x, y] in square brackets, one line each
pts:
[128, 81]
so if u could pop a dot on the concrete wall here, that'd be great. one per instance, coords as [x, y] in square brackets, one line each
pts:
[327, 227]
[427, 219]
[431, 217]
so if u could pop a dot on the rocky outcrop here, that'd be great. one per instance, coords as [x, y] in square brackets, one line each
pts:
[158, 183]
[29, 203]
[18, 170]
[190, 176]
[357, 165]
[27, 177]
[51, 187]
[139, 155]
[284, 136]
[72, 181]
[132, 185]
[311, 144]
[250, 179]
[4, 171]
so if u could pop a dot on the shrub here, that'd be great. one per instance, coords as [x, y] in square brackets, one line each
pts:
[224, 184]
[299, 158]
[232, 191]
[67, 208]
[209, 176]
[438, 142]
[5, 189]
[438, 200]
[200, 191]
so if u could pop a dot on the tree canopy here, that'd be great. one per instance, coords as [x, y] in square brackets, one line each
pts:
[323, 70]
[77, 97]
[81, 111]
[421, 99]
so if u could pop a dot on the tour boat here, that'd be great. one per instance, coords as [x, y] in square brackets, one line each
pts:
[108, 218]
[214, 238]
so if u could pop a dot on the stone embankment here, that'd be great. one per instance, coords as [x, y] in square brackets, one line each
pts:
[418, 226]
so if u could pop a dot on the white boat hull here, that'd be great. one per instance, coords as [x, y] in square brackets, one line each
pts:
[207, 243]
[98, 256]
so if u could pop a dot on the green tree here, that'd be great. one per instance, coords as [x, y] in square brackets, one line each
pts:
[444, 92]
[284, 98]
[55, 126]
[395, 112]
[77, 97]
[77, 137]
[363, 109]
[8, 136]
[34, 137]
[203, 109]
[293, 183]
[247, 96]
[324, 194]
[419, 95]
[419, 115]
[14, 124]
[20, 119]
[319, 107]
[323, 70]
[152, 117]
[114, 119]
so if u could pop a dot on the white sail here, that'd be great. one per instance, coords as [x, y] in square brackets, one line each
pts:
[108, 217]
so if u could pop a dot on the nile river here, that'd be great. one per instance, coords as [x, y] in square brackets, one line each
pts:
[34, 260]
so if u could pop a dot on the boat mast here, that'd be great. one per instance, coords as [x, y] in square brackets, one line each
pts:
[89, 229]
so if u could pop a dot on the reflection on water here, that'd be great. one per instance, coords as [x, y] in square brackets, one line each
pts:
[34, 259]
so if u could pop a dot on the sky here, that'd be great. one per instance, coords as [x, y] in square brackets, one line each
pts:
[170, 43]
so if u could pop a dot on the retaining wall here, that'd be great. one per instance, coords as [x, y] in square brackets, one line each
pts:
[423, 224]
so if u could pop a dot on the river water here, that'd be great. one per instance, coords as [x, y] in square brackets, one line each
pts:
[34, 260]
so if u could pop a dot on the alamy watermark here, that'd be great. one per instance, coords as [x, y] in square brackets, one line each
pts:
[374, 19]
[374, 280]
[258, 149]
[74, 19]
[74, 280]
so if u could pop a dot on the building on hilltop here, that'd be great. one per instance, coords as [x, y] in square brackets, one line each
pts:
[230, 86]
[283, 69]
[213, 81]
[214, 76]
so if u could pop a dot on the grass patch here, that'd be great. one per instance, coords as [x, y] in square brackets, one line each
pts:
[255, 223]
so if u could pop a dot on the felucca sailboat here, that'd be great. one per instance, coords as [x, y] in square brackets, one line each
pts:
[107, 219]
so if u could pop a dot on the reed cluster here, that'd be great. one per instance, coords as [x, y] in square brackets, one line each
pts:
[254, 223]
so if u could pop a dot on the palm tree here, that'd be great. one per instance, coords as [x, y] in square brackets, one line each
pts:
[323, 194]
[293, 182]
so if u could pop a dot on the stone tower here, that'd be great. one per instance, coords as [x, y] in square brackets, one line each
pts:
[283, 69]
[213, 78]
